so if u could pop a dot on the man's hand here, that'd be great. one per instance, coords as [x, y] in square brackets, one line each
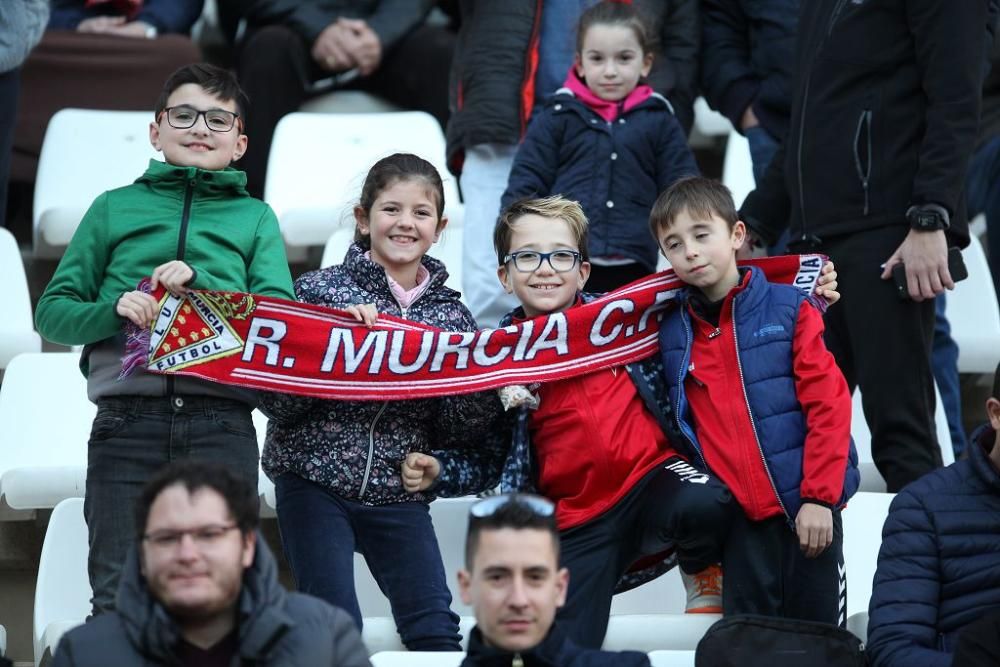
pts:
[749, 119]
[419, 471]
[174, 276]
[827, 285]
[814, 526]
[362, 44]
[366, 313]
[138, 307]
[925, 256]
[330, 49]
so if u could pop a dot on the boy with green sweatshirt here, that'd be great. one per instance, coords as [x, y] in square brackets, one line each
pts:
[190, 224]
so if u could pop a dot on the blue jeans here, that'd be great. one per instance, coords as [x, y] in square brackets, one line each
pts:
[944, 363]
[763, 146]
[320, 532]
[131, 439]
[982, 188]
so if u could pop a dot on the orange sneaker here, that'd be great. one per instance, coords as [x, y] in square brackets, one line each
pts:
[704, 591]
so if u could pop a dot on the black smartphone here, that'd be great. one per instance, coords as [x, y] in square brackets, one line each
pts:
[956, 267]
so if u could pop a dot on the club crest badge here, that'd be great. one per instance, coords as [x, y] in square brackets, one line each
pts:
[196, 328]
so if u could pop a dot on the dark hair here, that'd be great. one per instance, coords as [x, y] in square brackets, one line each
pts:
[996, 383]
[555, 207]
[388, 171]
[701, 197]
[515, 514]
[620, 14]
[215, 80]
[241, 497]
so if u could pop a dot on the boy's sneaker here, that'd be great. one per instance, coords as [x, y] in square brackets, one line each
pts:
[704, 591]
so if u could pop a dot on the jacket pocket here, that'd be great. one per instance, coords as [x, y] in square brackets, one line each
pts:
[863, 154]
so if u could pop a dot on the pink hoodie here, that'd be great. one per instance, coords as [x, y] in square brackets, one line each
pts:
[609, 111]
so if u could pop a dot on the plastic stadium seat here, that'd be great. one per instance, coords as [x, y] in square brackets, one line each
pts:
[737, 167]
[973, 314]
[46, 417]
[3, 641]
[17, 328]
[709, 126]
[417, 659]
[85, 152]
[379, 634]
[318, 163]
[448, 249]
[671, 658]
[348, 101]
[62, 591]
[871, 478]
[657, 632]
[863, 519]
[663, 595]
[858, 625]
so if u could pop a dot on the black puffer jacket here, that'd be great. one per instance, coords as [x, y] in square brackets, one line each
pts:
[492, 76]
[275, 627]
[747, 59]
[884, 116]
[556, 650]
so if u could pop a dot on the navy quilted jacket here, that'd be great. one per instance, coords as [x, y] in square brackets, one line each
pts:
[615, 170]
[939, 565]
[356, 448]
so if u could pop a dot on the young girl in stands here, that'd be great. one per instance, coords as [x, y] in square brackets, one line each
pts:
[357, 476]
[607, 141]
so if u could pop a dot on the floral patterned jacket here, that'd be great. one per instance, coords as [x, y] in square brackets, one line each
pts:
[356, 448]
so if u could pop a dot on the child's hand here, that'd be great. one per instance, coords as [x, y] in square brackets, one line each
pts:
[814, 526]
[419, 471]
[138, 307]
[365, 313]
[827, 285]
[174, 276]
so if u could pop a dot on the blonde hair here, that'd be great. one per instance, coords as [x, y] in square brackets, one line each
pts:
[555, 207]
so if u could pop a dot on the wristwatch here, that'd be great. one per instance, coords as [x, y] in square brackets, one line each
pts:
[928, 218]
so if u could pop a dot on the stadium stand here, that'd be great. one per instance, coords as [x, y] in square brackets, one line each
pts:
[863, 519]
[17, 329]
[973, 314]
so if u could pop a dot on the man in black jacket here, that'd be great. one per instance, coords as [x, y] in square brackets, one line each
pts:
[202, 589]
[884, 119]
[514, 584]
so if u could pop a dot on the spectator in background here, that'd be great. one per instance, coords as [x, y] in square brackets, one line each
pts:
[297, 48]
[99, 55]
[200, 587]
[21, 24]
[939, 567]
[510, 57]
[747, 73]
[872, 173]
[983, 184]
[513, 582]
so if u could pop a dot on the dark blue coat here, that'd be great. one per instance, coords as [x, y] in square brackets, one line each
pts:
[614, 169]
[764, 316]
[939, 565]
[556, 650]
[167, 16]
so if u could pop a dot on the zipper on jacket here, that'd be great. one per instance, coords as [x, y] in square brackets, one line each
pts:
[753, 422]
[802, 117]
[518, 661]
[371, 450]
[181, 245]
[686, 432]
[864, 172]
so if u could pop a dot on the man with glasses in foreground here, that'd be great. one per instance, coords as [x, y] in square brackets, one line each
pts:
[514, 584]
[187, 222]
[201, 588]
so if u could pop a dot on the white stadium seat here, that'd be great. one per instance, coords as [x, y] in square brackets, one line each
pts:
[671, 658]
[657, 632]
[318, 163]
[737, 167]
[858, 625]
[863, 519]
[62, 591]
[973, 314]
[17, 327]
[85, 152]
[417, 659]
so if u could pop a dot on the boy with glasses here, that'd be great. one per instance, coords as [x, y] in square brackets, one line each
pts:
[189, 223]
[514, 584]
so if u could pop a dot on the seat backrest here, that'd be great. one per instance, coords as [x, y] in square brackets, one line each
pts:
[863, 519]
[45, 417]
[656, 632]
[318, 163]
[85, 152]
[417, 659]
[671, 658]
[663, 595]
[973, 314]
[17, 328]
[62, 591]
[737, 167]
[448, 249]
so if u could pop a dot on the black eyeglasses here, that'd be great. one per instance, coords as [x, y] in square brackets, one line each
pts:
[203, 537]
[489, 506]
[527, 261]
[218, 120]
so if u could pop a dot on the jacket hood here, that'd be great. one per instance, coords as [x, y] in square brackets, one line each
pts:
[371, 276]
[261, 619]
[982, 442]
[228, 181]
[608, 110]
